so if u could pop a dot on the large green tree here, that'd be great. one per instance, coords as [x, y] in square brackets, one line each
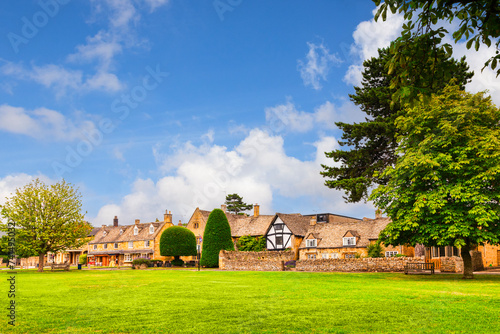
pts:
[177, 241]
[217, 236]
[445, 186]
[235, 204]
[48, 218]
[371, 144]
[479, 22]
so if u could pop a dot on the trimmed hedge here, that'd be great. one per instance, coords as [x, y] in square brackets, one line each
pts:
[140, 260]
[248, 243]
[217, 236]
[177, 241]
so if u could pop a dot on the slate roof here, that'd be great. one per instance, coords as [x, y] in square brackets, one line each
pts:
[113, 233]
[330, 235]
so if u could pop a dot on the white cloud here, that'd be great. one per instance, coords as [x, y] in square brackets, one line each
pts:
[317, 65]
[369, 36]
[258, 169]
[287, 117]
[153, 4]
[10, 183]
[42, 123]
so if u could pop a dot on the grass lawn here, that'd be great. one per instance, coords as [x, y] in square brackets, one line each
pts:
[183, 301]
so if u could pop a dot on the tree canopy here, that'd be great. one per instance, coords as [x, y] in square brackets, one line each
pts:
[479, 22]
[373, 142]
[217, 236]
[444, 189]
[235, 204]
[47, 218]
[177, 241]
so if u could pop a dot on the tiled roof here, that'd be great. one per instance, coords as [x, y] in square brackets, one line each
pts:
[330, 235]
[245, 225]
[297, 223]
[113, 233]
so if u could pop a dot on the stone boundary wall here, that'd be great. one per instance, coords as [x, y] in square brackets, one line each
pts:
[452, 264]
[254, 261]
[382, 264]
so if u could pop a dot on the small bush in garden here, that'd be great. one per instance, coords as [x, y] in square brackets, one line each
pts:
[399, 255]
[140, 260]
[217, 236]
[290, 264]
[83, 259]
[375, 250]
[177, 262]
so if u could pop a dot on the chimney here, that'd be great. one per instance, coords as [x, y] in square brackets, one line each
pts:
[115, 221]
[378, 213]
[167, 217]
[256, 210]
[103, 226]
[223, 207]
[180, 223]
[312, 222]
[137, 221]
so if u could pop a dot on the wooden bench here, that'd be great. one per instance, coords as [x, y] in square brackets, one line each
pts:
[64, 266]
[419, 268]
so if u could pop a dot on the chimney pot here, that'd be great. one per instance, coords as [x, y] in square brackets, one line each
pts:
[378, 213]
[103, 225]
[167, 217]
[313, 221]
[137, 221]
[256, 210]
[223, 207]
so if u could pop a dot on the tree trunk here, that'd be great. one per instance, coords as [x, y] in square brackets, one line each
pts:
[41, 259]
[468, 269]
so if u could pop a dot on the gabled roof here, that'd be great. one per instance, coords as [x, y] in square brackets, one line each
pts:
[244, 225]
[297, 223]
[331, 234]
[112, 234]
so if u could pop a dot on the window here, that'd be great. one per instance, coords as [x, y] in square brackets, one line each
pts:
[128, 258]
[279, 241]
[105, 246]
[196, 225]
[349, 241]
[130, 244]
[335, 255]
[95, 246]
[146, 243]
[104, 233]
[324, 256]
[321, 218]
[311, 243]
[136, 230]
[350, 255]
[311, 256]
[391, 253]
[151, 229]
[121, 231]
[278, 227]
[116, 245]
[198, 248]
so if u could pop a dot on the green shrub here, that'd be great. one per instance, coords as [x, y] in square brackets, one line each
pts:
[375, 250]
[177, 241]
[177, 262]
[399, 255]
[83, 259]
[139, 261]
[217, 236]
[251, 244]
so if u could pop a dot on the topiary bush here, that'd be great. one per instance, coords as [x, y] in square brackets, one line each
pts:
[140, 260]
[217, 236]
[178, 241]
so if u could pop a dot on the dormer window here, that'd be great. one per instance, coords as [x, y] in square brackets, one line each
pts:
[104, 233]
[121, 231]
[151, 229]
[311, 243]
[136, 230]
[349, 241]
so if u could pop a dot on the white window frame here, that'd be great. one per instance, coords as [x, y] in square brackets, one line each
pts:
[104, 233]
[130, 244]
[350, 256]
[324, 256]
[95, 246]
[136, 230]
[147, 243]
[391, 253]
[121, 231]
[335, 255]
[151, 229]
[349, 241]
[127, 258]
[311, 256]
[311, 243]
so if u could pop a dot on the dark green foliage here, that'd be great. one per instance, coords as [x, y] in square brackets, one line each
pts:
[372, 143]
[248, 243]
[217, 236]
[236, 205]
[375, 250]
[140, 261]
[444, 189]
[177, 241]
[177, 262]
[479, 22]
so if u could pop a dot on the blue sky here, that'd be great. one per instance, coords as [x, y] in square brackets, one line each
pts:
[149, 105]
